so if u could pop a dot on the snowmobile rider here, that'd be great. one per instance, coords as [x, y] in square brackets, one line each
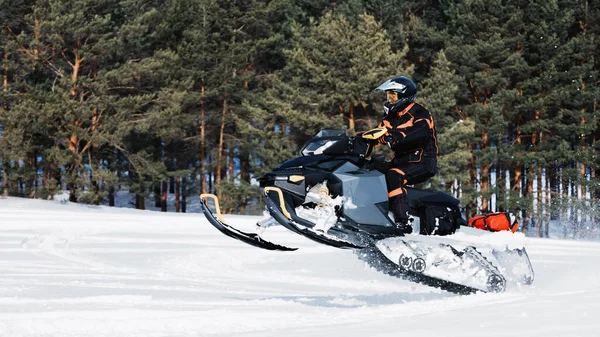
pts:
[410, 133]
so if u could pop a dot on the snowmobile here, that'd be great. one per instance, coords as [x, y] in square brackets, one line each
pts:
[335, 194]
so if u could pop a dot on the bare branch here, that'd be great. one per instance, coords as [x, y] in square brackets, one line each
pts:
[66, 59]
[87, 146]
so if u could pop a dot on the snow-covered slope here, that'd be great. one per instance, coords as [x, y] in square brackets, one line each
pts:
[74, 270]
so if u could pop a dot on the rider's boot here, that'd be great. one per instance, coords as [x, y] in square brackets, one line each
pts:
[399, 207]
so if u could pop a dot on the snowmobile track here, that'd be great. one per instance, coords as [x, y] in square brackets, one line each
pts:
[376, 259]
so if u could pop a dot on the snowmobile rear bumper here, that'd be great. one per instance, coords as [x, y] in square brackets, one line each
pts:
[218, 222]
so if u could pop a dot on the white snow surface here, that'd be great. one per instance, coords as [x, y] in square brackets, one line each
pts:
[77, 270]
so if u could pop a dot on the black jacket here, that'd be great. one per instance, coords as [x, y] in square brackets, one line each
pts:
[412, 136]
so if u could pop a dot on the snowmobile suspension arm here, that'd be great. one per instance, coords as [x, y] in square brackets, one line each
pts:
[281, 202]
[205, 196]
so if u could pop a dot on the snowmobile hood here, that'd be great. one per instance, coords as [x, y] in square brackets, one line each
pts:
[300, 162]
[322, 162]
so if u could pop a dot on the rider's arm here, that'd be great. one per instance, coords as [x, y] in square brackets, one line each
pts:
[414, 136]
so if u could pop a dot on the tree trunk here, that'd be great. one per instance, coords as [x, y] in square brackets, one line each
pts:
[529, 193]
[5, 183]
[5, 89]
[171, 185]
[72, 192]
[594, 196]
[220, 151]
[45, 174]
[74, 138]
[52, 173]
[501, 188]
[202, 143]
[119, 176]
[573, 210]
[177, 194]
[111, 196]
[33, 179]
[230, 165]
[157, 195]
[73, 167]
[583, 186]
[485, 173]
[595, 190]
[540, 203]
[548, 208]
[37, 24]
[517, 169]
[244, 169]
[582, 169]
[163, 204]
[351, 122]
[471, 207]
[5, 77]
[210, 176]
[183, 195]
[563, 209]
[485, 187]
[554, 187]
[244, 176]
[515, 177]
[74, 76]
[140, 202]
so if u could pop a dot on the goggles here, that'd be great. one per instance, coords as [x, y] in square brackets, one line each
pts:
[391, 96]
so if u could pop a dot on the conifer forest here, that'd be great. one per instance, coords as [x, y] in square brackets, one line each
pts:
[181, 97]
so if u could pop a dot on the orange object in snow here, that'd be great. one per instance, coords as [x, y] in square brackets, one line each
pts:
[495, 222]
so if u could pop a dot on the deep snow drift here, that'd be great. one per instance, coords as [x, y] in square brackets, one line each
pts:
[76, 270]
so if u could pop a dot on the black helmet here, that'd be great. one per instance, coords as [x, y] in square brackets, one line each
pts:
[400, 90]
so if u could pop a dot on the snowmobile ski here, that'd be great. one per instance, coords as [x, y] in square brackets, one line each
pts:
[281, 215]
[249, 238]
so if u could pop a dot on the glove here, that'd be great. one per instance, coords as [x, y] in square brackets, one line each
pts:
[384, 139]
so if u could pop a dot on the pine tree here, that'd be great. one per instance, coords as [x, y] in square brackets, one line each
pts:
[67, 45]
[454, 129]
[334, 66]
[482, 42]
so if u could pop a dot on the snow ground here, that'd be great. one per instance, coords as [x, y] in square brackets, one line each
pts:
[78, 270]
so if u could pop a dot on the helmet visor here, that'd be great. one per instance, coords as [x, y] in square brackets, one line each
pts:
[392, 97]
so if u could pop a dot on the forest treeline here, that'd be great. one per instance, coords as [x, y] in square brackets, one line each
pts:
[197, 96]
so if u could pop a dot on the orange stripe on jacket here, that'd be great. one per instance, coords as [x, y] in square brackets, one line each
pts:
[431, 125]
[385, 123]
[406, 109]
[407, 124]
[397, 170]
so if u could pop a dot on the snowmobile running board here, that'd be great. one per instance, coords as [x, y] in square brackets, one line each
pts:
[283, 217]
[218, 222]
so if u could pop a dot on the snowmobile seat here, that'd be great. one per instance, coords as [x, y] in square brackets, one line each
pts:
[378, 158]
[418, 197]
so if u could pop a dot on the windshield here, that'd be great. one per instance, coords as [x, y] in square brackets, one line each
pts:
[323, 140]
